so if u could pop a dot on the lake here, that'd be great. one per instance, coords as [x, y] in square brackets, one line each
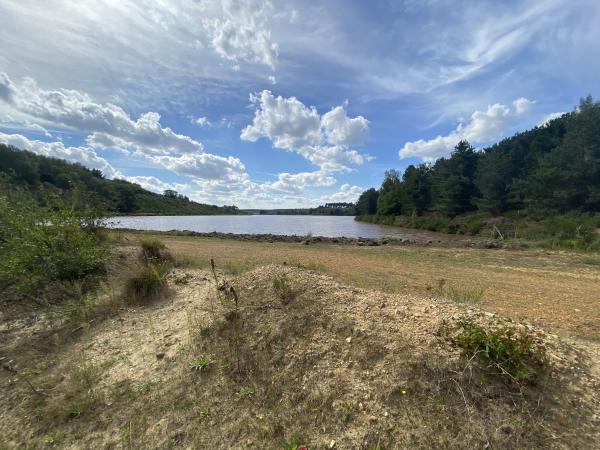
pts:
[328, 226]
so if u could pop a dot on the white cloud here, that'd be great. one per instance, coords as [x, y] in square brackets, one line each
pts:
[155, 185]
[296, 183]
[347, 193]
[204, 166]
[272, 79]
[342, 130]
[109, 125]
[549, 118]
[291, 125]
[483, 127]
[523, 105]
[82, 155]
[242, 33]
[7, 88]
[201, 121]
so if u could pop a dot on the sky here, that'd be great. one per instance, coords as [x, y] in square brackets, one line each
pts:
[281, 104]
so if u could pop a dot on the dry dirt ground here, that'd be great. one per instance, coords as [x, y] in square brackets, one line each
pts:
[304, 359]
[555, 289]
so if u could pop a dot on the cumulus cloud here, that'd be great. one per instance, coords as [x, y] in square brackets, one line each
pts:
[155, 185]
[483, 127]
[109, 124]
[343, 130]
[85, 156]
[347, 193]
[241, 33]
[291, 125]
[550, 117]
[204, 166]
[296, 183]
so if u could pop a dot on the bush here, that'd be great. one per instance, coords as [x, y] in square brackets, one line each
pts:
[510, 353]
[40, 246]
[146, 282]
[154, 251]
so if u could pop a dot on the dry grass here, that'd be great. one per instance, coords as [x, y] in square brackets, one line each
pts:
[361, 368]
[555, 289]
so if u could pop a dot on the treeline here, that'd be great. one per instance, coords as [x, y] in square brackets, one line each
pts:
[549, 170]
[329, 209]
[45, 177]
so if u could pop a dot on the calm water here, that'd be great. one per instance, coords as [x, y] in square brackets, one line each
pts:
[330, 226]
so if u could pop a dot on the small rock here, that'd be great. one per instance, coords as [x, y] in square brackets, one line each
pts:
[332, 444]
[160, 355]
[372, 419]
[349, 339]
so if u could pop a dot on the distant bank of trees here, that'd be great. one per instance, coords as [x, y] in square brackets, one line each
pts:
[45, 176]
[328, 209]
[552, 169]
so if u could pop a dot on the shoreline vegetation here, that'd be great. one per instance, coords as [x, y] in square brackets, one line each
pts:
[540, 185]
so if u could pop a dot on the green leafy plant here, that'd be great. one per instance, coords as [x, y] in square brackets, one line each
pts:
[509, 352]
[45, 245]
[202, 363]
[292, 444]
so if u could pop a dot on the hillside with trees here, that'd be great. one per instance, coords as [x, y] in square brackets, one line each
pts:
[45, 176]
[550, 171]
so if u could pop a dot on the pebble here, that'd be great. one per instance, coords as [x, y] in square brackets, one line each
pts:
[160, 355]
[349, 339]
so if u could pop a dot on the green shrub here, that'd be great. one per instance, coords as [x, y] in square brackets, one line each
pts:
[509, 352]
[154, 251]
[146, 282]
[42, 245]
[202, 363]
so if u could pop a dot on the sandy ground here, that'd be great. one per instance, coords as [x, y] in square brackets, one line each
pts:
[557, 290]
[335, 366]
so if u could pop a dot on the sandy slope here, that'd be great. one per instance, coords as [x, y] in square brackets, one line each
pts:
[332, 365]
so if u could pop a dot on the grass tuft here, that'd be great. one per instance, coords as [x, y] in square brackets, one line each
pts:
[283, 288]
[509, 352]
[202, 363]
[146, 282]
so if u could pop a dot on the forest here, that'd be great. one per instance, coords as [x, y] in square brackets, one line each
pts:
[48, 177]
[549, 171]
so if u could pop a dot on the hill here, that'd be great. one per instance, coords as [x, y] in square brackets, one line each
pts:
[43, 175]
[301, 360]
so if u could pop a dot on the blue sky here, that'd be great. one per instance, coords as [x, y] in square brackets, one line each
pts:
[283, 103]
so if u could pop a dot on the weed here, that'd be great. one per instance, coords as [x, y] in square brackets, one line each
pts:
[52, 439]
[202, 363]
[146, 282]
[183, 279]
[144, 387]
[282, 288]
[510, 353]
[245, 392]
[292, 444]
[154, 251]
[86, 374]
